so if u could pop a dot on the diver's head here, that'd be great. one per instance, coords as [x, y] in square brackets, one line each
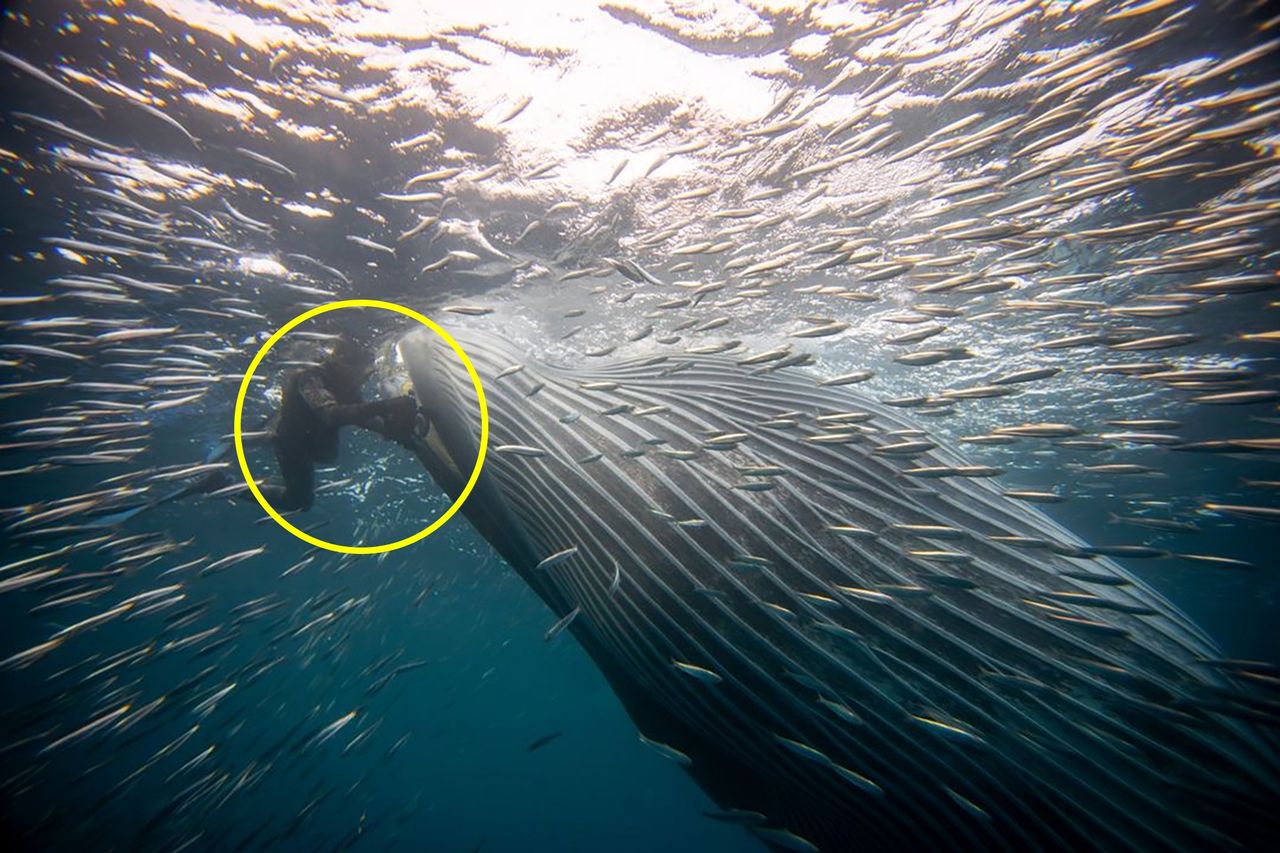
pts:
[349, 362]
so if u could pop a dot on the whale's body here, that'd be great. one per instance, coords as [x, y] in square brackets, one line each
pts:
[856, 683]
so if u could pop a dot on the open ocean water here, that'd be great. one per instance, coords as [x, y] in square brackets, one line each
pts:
[1041, 234]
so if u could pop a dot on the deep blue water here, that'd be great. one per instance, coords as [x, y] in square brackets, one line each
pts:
[485, 686]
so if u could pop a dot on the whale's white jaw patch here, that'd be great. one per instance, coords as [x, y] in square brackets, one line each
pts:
[448, 426]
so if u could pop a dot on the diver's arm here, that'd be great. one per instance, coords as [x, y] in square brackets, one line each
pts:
[397, 421]
[321, 401]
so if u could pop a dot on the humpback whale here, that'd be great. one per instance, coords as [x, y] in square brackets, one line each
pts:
[846, 647]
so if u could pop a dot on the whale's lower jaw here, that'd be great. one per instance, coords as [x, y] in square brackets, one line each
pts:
[858, 683]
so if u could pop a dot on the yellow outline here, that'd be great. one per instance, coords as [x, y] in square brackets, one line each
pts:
[475, 381]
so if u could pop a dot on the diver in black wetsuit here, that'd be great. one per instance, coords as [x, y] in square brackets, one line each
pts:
[318, 402]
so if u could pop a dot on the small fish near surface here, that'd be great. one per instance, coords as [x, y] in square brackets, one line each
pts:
[834, 347]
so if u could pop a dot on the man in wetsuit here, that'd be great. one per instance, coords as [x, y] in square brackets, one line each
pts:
[318, 402]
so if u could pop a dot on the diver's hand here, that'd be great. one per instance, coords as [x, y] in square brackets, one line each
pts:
[397, 419]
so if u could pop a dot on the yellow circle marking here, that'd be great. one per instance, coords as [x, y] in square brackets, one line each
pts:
[475, 381]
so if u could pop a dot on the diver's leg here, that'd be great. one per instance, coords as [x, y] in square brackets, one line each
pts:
[299, 481]
[272, 491]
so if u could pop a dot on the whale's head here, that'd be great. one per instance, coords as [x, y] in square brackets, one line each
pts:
[447, 429]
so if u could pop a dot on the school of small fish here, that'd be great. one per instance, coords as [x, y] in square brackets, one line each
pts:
[979, 213]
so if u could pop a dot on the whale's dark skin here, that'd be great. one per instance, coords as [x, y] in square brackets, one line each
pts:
[859, 684]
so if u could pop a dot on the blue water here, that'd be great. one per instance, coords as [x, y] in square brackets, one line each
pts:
[488, 685]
